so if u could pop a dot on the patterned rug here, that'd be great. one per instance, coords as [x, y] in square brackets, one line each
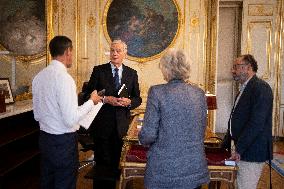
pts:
[278, 162]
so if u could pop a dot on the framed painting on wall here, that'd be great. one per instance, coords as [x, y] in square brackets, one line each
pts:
[23, 29]
[147, 26]
[6, 89]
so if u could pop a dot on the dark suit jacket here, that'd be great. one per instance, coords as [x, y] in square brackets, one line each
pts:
[108, 116]
[251, 122]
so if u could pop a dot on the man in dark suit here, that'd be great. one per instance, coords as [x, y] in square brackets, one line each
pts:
[251, 122]
[112, 122]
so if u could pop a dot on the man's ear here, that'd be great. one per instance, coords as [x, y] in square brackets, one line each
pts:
[250, 69]
[125, 55]
[68, 51]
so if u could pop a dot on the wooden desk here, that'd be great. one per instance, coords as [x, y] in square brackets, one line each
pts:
[131, 170]
[211, 138]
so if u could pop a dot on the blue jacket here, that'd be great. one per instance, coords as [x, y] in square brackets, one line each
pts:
[174, 127]
[251, 122]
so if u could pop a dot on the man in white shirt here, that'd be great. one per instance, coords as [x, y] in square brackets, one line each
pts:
[55, 107]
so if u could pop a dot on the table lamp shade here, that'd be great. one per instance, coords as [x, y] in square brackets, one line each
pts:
[211, 101]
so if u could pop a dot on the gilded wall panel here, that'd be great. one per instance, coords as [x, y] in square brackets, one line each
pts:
[279, 76]
[228, 45]
[280, 129]
[195, 38]
[194, 47]
[280, 52]
[87, 46]
[259, 44]
[210, 53]
[260, 9]
[69, 22]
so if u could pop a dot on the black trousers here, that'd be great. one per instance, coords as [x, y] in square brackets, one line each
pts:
[107, 157]
[59, 160]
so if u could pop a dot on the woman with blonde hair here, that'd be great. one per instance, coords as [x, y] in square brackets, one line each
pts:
[174, 127]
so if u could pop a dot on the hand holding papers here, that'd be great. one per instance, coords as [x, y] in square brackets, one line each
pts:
[88, 119]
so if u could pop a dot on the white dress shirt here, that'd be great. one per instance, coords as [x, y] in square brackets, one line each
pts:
[120, 69]
[55, 100]
[241, 90]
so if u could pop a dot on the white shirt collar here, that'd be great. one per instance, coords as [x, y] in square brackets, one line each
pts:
[113, 66]
[59, 64]
[243, 86]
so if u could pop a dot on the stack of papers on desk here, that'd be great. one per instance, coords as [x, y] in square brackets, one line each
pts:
[230, 162]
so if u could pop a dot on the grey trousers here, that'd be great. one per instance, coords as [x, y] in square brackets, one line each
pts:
[249, 174]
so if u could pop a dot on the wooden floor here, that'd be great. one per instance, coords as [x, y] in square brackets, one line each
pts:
[277, 179]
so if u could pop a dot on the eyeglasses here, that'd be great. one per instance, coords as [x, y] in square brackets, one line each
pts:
[235, 66]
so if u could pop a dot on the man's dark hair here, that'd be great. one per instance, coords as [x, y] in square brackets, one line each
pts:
[249, 59]
[58, 45]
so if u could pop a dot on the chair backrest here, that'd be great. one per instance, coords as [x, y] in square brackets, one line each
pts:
[84, 136]
[85, 139]
[81, 94]
[84, 87]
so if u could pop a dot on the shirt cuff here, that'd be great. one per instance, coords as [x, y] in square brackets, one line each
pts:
[90, 103]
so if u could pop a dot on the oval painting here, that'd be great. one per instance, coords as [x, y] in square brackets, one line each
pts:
[147, 26]
[23, 29]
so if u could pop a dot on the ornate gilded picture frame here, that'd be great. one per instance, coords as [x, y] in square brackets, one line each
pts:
[148, 27]
[23, 29]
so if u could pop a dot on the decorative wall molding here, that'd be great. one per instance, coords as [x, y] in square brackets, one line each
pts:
[278, 104]
[260, 9]
[259, 43]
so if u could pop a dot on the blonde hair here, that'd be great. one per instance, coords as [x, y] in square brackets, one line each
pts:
[174, 64]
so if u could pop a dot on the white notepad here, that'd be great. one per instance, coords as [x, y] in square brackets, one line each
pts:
[88, 119]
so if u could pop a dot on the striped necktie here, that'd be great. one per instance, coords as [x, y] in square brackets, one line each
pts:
[116, 79]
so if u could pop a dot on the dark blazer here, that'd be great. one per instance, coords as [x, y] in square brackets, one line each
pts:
[102, 78]
[251, 122]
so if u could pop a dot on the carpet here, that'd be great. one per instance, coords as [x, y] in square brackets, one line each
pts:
[278, 162]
